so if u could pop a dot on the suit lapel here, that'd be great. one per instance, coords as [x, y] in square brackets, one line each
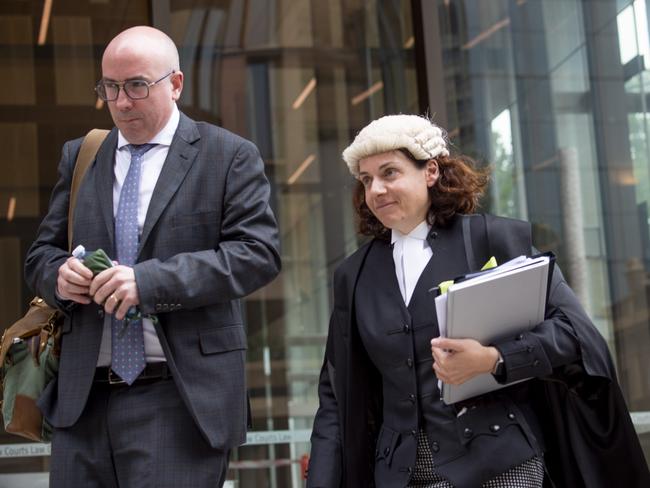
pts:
[180, 158]
[381, 258]
[104, 176]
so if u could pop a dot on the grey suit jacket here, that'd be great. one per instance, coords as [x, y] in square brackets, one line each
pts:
[209, 239]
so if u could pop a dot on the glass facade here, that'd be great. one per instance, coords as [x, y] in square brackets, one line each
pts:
[550, 94]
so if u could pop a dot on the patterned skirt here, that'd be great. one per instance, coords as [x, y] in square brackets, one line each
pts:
[529, 474]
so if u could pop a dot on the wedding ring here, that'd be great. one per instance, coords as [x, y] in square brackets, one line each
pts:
[114, 297]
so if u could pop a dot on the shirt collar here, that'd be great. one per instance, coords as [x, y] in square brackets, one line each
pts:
[420, 232]
[164, 137]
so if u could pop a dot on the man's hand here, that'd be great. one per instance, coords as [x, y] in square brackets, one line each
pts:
[115, 288]
[73, 281]
[459, 360]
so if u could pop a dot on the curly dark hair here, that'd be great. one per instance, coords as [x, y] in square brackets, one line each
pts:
[457, 191]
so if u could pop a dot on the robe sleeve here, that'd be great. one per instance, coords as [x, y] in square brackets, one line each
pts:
[325, 464]
[552, 343]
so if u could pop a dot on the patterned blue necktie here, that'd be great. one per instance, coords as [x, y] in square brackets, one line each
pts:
[127, 340]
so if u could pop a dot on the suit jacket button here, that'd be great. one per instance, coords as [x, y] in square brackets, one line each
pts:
[435, 447]
[387, 451]
[409, 362]
[412, 398]
[407, 328]
[468, 432]
[511, 416]
[495, 428]
[414, 433]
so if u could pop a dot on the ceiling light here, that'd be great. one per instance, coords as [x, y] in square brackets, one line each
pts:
[301, 169]
[368, 93]
[45, 22]
[309, 87]
[487, 33]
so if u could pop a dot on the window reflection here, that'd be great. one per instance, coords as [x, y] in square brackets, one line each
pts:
[553, 95]
[299, 78]
[571, 78]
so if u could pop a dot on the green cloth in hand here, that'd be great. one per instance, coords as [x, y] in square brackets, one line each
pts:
[97, 261]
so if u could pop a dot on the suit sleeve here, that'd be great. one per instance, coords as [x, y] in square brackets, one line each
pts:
[325, 461]
[50, 248]
[246, 257]
[552, 343]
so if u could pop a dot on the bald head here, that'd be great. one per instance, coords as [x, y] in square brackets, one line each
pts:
[147, 41]
[146, 56]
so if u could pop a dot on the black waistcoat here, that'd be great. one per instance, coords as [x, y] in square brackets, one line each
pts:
[489, 438]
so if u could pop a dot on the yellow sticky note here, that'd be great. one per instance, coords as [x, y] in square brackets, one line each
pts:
[444, 286]
[491, 263]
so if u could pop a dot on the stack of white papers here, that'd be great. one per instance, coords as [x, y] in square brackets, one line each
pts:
[490, 306]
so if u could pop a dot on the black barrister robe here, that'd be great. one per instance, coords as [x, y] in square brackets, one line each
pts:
[590, 439]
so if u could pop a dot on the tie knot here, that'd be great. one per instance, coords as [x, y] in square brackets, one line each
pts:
[138, 150]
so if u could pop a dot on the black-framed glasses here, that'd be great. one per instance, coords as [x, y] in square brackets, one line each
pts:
[134, 89]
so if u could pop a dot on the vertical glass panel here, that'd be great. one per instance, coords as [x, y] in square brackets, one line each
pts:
[582, 227]
[299, 78]
[17, 68]
[18, 195]
[555, 93]
[10, 272]
[632, 22]
[49, 62]
[73, 60]
[292, 30]
[640, 146]
[504, 190]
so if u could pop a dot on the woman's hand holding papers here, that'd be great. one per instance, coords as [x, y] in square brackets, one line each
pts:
[456, 361]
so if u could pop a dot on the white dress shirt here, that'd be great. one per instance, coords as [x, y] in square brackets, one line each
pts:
[411, 253]
[152, 164]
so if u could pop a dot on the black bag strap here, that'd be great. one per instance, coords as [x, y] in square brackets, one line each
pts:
[468, 241]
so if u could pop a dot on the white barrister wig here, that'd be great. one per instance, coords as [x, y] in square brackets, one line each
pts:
[421, 137]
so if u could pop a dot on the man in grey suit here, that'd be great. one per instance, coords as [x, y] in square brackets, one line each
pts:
[182, 207]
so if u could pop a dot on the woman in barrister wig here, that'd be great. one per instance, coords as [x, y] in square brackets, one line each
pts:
[381, 421]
